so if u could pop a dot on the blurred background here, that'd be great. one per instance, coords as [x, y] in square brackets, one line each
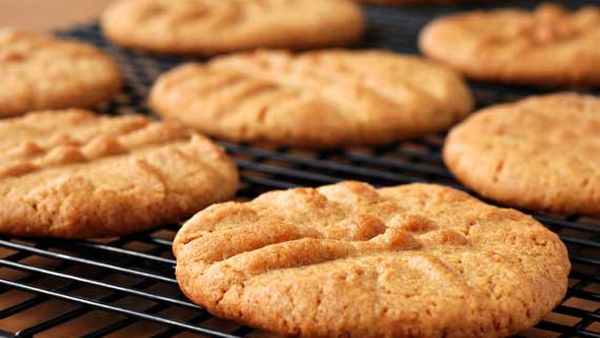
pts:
[45, 15]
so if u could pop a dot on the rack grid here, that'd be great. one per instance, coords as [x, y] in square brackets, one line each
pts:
[126, 286]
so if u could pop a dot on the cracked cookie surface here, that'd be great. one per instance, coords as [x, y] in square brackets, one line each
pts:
[73, 174]
[418, 260]
[39, 72]
[551, 46]
[210, 27]
[538, 153]
[315, 99]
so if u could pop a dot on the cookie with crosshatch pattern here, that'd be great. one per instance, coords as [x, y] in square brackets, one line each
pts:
[550, 46]
[39, 72]
[74, 174]
[314, 99]
[541, 153]
[348, 260]
[210, 27]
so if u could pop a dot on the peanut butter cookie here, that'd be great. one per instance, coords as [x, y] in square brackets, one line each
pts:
[39, 72]
[315, 99]
[540, 153]
[551, 46]
[217, 26]
[73, 174]
[348, 260]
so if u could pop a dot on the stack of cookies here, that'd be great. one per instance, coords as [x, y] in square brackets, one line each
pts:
[421, 260]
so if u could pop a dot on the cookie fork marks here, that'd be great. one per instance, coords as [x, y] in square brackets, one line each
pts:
[298, 261]
[58, 146]
[75, 174]
[513, 45]
[315, 99]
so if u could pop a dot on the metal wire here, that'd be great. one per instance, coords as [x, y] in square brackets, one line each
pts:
[141, 266]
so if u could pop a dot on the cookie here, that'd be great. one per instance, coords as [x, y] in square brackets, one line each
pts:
[210, 27]
[73, 174]
[551, 46]
[39, 72]
[315, 99]
[348, 260]
[540, 153]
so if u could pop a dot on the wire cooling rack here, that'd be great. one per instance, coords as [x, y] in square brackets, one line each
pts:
[126, 286]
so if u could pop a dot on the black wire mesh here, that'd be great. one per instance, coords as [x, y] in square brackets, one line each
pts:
[127, 285]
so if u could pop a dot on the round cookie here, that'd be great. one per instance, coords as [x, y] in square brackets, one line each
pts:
[39, 72]
[551, 46]
[74, 174]
[540, 153]
[217, 26]
[315, 99]
[348, 260]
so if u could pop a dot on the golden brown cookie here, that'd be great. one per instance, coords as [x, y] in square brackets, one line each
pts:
[209, 26]
[540, 153]
[39, 72]
[73, 174]
[548, 47]
[348, 260]
[316, 99]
